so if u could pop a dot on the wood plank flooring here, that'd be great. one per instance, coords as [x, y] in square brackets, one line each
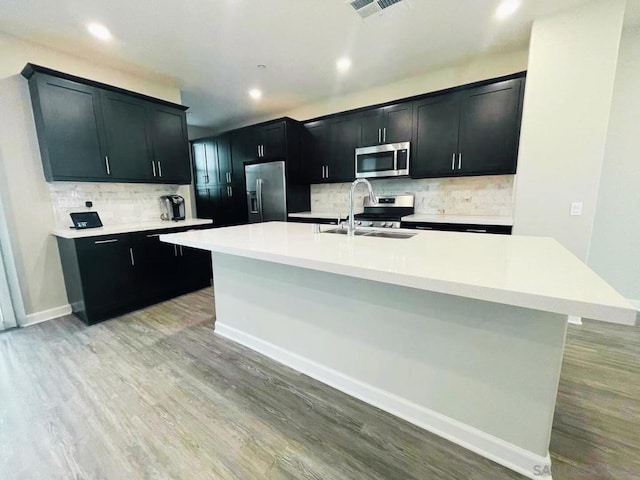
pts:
[155, 395]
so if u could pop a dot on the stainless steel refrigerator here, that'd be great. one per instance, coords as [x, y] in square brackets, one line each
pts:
[266, 192]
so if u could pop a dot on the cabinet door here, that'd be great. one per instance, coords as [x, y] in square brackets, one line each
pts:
[234, 200]
[204, 206]
[224, 165]
[170, 145]
[128, 143]
[195, 267]
[199, 160]
[490, 128]
[436, 137]
[70, 129]
[156, 264]
[107, 270]
[371, 124]
[273, 141]
[317, 151]
[398, 123]
[344, 136]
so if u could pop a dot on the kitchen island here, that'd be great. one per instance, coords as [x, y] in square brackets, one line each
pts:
[458, 333]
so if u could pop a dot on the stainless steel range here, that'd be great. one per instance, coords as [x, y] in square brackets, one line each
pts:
[387, 213]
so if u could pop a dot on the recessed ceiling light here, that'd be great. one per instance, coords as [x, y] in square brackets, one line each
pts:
[507, 8]
[343, 64]
[255, 94]
[99, 31]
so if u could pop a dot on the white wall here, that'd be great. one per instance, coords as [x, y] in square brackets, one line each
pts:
[572, 67]
[24, 191]
[615, 243]
[472, 70]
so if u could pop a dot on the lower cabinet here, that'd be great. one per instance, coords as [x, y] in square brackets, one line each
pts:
[110, 275]
[225, 205]
[459, 227]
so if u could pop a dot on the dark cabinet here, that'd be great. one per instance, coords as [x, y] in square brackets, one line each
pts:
[88, 131]
[330, 149]
[391, 124]
[128, 143]
[70, 129]
[470, 132]
[490, 128]
[107, 276]
[317, 148]
[224, 163]
[170, 145]
[436, 137]
[459, 227]
[219, 162]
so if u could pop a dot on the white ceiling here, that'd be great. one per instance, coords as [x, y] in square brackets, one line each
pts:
[211, 48]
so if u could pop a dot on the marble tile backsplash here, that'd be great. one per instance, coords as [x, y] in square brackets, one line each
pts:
[485, 195]
[117, 203]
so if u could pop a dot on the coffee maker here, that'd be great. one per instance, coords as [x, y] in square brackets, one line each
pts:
[173, 207]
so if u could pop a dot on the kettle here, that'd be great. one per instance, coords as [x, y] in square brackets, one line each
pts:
[173, 207]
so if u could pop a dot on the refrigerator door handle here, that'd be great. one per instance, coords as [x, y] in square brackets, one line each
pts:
[259, 183]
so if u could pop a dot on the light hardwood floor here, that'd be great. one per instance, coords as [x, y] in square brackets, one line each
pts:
[155, 395]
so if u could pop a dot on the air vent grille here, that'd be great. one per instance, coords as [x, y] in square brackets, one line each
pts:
[367, 8]
[387, 3]
[358, 4]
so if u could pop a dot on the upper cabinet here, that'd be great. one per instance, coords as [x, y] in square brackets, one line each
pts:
[468, 130]
[391, 124]
[473, 131]
[93, 132]
[330, 148]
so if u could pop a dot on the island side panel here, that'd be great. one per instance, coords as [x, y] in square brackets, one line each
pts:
[482, 374]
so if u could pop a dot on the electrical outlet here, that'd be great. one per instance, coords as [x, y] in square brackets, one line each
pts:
[576, 208]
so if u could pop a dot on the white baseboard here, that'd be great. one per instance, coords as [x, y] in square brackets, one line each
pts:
[511, 456]
[575, 320]
[39, 317]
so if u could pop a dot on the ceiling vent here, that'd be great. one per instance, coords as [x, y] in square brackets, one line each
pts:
[368, 8]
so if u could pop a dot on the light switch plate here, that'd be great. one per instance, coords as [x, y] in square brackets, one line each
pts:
[576, 208]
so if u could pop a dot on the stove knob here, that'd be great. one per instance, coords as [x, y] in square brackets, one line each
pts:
[371, 224]
[358, 223]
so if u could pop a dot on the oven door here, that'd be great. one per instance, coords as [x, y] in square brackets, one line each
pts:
[382, 161]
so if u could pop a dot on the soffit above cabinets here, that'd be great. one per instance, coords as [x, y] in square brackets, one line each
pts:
[211, 48]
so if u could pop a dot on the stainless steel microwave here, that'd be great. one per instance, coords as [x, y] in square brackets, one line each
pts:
[390, 160]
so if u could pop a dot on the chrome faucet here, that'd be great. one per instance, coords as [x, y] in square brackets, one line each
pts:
[351, 225]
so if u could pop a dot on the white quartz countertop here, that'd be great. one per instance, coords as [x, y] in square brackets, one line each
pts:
[461, 219]
[530, 272]
[322, 215]
[127, 228]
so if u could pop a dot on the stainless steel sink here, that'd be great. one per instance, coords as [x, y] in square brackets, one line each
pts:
[373, 233]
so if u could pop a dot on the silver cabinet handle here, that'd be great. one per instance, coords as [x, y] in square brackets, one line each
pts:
[228, 177]
[229, 192]
[424, 228]
[99, 242]
[323, 172]
[379, 135]
[453, 162]
[384, 135]
[258, 151]
[159, 169]
[106, 161]
[153, 235]
[459, 160]
[175, 250]
[133, 260]
[153, 165]
[181, 251]
[327, 172]
[476, 230]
